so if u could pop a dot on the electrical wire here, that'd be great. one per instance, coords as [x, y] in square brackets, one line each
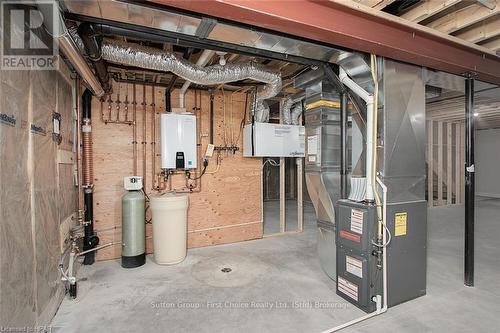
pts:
[271, 163]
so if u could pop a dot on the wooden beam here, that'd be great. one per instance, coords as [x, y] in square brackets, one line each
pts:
[427, 9]
[369, 3]
[382, 4]
[493, 44]
[449, 168]
[463, 18]
[482, 31]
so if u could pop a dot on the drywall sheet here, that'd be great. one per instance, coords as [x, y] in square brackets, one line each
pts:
[228, 208]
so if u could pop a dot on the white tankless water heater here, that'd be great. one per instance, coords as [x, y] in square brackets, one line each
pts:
[178, 141]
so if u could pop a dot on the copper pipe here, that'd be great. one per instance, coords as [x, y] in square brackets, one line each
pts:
[144, 119]
[118, 102]
[134, 129]
[126, 103]
[88, 171]
[110, 106]
[102, 110]
[153, 139]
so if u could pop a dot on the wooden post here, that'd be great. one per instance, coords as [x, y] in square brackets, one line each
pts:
[430, 163]
[458, 161]
[282, 194]
[449, 167]
[300, 202]
[440, 164]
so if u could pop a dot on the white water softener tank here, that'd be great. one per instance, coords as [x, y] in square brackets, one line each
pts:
[169, 227]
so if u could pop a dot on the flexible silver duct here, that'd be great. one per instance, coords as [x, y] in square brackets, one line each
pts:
[145, 57]
[296, 112]
[287, 106]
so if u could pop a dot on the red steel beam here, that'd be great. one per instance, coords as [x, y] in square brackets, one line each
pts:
[339, 24]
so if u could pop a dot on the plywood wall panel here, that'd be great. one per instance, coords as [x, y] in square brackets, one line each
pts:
[227, 209]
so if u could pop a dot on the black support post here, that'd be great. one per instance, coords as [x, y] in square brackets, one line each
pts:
[343, 145]
[469, 183]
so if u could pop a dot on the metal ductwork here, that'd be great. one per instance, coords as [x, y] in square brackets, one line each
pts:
[70, 49]
[149, 58]
[292, 109]
[286, 110]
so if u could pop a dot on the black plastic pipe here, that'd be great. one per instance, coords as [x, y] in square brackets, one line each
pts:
[90, 239]
[88, 35]
[87, 104]
[343, 145]
[168, 100]
[211, 118]
[470, 194]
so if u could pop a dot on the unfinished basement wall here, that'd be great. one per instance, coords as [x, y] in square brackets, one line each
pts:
[228, 208]
[37, 194]
[445, 162]
[487, 163]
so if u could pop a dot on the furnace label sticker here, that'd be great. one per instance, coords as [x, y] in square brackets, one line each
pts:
[348, 288]
[354, 266]
[357, 221]
[400, 224]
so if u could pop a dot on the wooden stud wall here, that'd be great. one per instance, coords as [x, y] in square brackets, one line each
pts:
[228, 208]
[445, 162]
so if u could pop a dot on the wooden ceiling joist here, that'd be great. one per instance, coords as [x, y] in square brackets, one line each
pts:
[427, 9]
[492, 44]
[483, 30]
[463, 18]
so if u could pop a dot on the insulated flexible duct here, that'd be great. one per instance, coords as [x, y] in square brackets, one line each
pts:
[292, 109]
[287, 106]
[149, 58]
[296, 112]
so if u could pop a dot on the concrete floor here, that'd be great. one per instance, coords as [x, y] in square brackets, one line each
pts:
[276, 285]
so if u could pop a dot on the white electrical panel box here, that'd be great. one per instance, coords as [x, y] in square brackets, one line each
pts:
[273, 140]
[133, 183]
[178, 141]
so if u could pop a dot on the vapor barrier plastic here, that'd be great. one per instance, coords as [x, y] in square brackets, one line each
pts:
[36, 194]
[45, 191]
[17, 263]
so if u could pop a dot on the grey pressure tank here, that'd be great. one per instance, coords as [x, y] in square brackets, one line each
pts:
[133, 230]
